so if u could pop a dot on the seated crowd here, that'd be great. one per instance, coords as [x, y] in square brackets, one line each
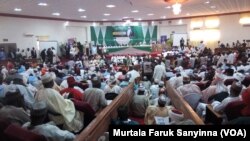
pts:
[65, 97]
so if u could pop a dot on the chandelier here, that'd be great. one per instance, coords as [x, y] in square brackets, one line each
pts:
[176, 8]
[176, 5]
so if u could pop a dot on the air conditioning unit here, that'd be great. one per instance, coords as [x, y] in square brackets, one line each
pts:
[196, 28]
[28, 34]
[246, 25]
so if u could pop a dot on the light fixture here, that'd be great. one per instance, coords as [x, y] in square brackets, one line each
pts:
[84, 16]
[176, 5]
[207, 2]
[150, 14]
[176, 8]
[110, 6]
[135, 11]
[42, 4]
[18, 9]
[56, 14]
[81, 10]
[106, 14]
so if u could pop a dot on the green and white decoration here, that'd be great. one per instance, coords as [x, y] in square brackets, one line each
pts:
[119, 35]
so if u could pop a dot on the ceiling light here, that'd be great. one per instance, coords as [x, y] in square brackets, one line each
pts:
[84, 17]
[139, 19]
[56, 14]
[177, 8]
[81, 10]
[42, 4]
[66, 23]
[213, 7]
[188, 14]
[168, 7]
[180, 22]
[207, 2]
[125, 17]
[110, 6]
[18, 9]
[104, 19]
[106, 14]
[135, 11]
[163, 17]
[150, 14]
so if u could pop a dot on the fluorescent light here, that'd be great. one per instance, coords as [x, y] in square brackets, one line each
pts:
[150, 14]
[106, 14]
[66, 23]
[42, 4]
[207, 2]
[135, 11]
[110, 6]
[168, 7]
[213, 7]
[81, 10]
[125, 17]
[180, 22]
[84, 16]
[18, 9]
[196, 24]
[56, 14]
[104, 19]
[212, 23]
[163, 17]
[245, 21]
[139, 19]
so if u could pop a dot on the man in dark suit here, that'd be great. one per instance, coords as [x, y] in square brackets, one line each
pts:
[182, 43]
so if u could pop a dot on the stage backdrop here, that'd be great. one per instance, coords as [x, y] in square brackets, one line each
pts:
[123, 35]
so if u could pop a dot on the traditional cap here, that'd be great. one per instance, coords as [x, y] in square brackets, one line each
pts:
[238, 76]
[112, 80]
[12, 88]
[161, 83]
[162, 100]
[46, 78]
[71, 80]
[176, 115]
[156, 81]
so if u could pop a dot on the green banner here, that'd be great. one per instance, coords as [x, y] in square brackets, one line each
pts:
[123, 35]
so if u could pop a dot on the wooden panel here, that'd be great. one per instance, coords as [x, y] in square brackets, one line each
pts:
[180, 104]
[101, 123]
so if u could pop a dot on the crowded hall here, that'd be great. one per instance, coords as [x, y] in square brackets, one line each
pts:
[70, 69]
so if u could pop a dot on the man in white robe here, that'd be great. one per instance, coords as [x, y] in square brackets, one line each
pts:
[159, 71]
[61, 111]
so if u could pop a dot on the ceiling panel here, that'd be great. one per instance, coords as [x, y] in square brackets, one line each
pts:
[96, 8]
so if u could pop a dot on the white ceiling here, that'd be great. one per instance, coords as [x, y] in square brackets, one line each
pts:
[96, 8]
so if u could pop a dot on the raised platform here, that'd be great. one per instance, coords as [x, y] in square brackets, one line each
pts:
[122, 50]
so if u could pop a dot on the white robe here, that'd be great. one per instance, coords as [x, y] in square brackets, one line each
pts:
[71, 119]
[159, 72]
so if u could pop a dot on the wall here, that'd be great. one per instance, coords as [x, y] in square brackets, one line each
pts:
[231, 30]
[14, 29]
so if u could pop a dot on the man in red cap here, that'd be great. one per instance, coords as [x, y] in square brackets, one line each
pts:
[73, 93]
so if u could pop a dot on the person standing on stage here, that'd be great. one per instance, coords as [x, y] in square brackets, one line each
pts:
[182, 42]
